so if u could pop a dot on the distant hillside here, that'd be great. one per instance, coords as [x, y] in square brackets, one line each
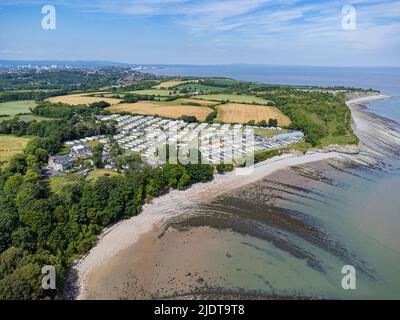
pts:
[78, 63]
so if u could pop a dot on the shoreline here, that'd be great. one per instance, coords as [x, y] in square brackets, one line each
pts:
[367, 99]
[153, 216]
[378, 135]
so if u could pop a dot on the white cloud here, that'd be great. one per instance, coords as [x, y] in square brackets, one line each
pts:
[265, 24]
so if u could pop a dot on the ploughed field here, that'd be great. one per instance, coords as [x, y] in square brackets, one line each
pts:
[242, 113]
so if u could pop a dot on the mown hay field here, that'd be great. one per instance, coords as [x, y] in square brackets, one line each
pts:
[242, 113]
[188, 101]
[82, 98]
[173, 83]
[15, 107]
[168, 110]
[233, 98]
[10, 146]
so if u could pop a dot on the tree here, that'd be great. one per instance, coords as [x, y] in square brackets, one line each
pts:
[190, 119]
[272, 122]
[155, 183]
[263, 123]
[23, 284]
[115, 149]
[97, 155]
[199, 172]
[183, 181]
[222, 167]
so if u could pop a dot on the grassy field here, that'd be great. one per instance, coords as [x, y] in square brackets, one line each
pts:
[300, 146]
[155, 92]
[163, 109]
[222, 81]
[79, 98]
[242, 113]
[97, 173]
[267, 133]
[173, 83]
[200, 87]
[16, 107]
[233, 98]
[58, 182]
[329, 140]
[27, 118]
[10, 146]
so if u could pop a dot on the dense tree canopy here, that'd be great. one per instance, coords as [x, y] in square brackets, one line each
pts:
[39, 227]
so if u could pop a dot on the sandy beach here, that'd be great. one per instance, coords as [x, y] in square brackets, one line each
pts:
[117, 239]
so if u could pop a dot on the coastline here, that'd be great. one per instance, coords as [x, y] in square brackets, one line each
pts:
[367, 99]
[378, 135]
[119, 237]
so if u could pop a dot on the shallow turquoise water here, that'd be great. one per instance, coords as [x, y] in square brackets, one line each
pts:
[389, 108]
[291, 238]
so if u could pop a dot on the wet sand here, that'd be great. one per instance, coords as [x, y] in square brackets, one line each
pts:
[154, 215]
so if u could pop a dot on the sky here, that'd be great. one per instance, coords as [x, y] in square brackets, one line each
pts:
[205, 32]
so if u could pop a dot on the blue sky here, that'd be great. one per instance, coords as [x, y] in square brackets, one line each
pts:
[291, 32]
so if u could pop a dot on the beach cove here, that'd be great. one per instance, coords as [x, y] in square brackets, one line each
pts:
[161, 252]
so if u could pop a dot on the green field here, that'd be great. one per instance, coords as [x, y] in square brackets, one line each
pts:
[221, 81]
[58, 182]
[329, 140]
[267, 133]
[97, 173]
[199, 87]
[233, 98]
[16, 107]
[300, 146]
[10, 146]
[154, 92]
[27, 118]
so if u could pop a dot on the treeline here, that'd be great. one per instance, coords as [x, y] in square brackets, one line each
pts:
[30, 95]
[213, 115]
[62, 110]
[264, 124]
[138, 85]
[92, 79]
[188, 119]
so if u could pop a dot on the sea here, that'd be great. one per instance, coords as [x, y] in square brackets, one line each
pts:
[323, 230]
[382, 78]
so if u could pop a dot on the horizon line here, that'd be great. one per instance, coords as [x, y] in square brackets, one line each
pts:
[191, 65]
